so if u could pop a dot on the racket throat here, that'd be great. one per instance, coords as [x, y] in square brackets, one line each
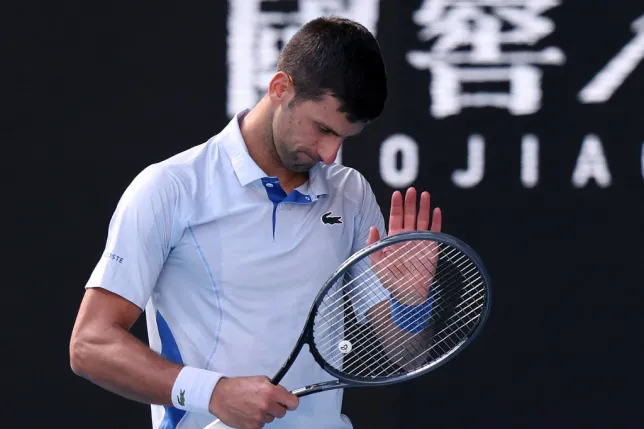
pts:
[287, 365]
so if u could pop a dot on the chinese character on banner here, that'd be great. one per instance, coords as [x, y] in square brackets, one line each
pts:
[485, 42]
[258, 31]
[602, 87]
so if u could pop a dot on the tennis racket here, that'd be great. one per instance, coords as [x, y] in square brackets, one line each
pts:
[395, 310]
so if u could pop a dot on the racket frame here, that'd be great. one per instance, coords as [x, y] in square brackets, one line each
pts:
[345, 380]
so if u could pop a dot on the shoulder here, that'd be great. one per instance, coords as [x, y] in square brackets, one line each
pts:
[188, 171]
[169, 183]
[347, 181]
[162, 177]
[185, 165]
[341, 176]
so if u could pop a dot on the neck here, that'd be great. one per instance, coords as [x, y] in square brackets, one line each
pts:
[257, 133]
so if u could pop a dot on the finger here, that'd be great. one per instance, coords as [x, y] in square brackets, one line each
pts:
[286, 398]
[422, 224]
[437, 221]
[374, 235]
[410, 209]
[293, 402]
[269, 418]
[396, 214]
[277, 410]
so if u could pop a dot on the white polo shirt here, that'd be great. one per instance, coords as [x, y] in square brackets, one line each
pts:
[227, 266]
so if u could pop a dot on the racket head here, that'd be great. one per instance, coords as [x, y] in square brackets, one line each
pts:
[473, 275]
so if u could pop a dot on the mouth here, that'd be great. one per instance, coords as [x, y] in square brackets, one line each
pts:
[313, 158]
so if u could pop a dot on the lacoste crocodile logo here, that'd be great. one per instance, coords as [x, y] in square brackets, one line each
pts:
[181, 399]
[331, 220]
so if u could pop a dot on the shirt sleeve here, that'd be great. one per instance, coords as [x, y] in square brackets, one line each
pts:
[369, 214]
[139, 237]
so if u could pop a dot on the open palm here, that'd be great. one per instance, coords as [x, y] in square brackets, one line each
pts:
[407, 269]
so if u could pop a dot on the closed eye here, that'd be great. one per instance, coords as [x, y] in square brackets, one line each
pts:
[325, 130]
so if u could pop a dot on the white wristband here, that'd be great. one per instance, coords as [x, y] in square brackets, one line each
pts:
[193, 388]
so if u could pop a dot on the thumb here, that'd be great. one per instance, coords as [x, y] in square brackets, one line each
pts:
[374, 235]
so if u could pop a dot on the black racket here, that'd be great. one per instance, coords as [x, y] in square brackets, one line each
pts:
[393, 311]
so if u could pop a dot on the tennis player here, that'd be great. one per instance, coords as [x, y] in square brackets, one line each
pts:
[226, 245]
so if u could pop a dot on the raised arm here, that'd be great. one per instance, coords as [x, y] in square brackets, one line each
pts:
[399, 319]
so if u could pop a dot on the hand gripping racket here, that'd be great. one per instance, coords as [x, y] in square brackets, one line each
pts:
[393, 311]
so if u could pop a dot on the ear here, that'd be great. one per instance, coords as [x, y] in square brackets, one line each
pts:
[281, 89]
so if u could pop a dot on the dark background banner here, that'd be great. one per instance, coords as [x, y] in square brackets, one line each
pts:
[523, 118]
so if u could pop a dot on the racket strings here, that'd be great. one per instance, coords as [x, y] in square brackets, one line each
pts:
[443, 353]
[366, 296]
[374, 274]
[337, 305]
[461, 320]
[435, 285]
[396, 341]
[365, 300]
[400, 351]
[361, 302]
[365, 290]
[342, 289]
[436, 313]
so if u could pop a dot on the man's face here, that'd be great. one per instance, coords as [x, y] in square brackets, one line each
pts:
[310, 132]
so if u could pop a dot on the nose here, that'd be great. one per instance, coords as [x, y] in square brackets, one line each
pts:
[329, 150]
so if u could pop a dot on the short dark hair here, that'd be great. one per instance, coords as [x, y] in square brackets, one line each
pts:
[341, 58]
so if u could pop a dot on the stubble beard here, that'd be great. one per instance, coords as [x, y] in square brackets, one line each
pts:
[287, 160]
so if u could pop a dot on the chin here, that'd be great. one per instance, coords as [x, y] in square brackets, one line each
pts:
[301, 164]
[300, 168]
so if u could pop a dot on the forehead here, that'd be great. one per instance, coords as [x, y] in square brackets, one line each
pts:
[326, 112]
